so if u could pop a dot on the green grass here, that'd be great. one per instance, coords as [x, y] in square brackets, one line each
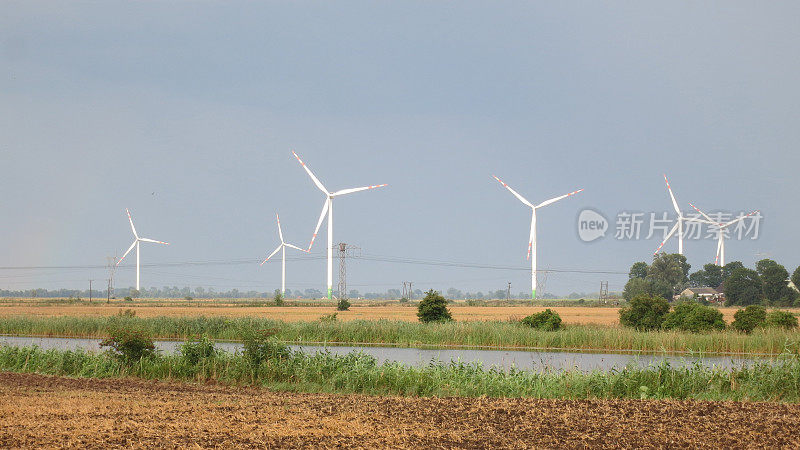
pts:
[471, 334]
[359, 373]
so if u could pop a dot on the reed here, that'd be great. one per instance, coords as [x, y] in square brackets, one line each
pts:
[771, 341]
[359, 373]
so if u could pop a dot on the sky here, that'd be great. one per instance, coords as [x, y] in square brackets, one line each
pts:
[187, 113]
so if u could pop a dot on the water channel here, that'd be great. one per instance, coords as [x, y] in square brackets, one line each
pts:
[505, 359]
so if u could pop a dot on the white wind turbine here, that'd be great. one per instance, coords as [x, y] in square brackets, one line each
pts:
[678, 226]
[532, 240]
[136, 241]
[327, 208]
[282, 247]
[721, 226]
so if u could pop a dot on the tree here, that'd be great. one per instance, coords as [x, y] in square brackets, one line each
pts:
[743, 288]
[713, 275]
[454, 293]
[644, 313]
[638, 270]
[669, 269]
[433, 308]
[764, 264]
[728, 269]
[796, 277]
[775, 286]
[640, 286]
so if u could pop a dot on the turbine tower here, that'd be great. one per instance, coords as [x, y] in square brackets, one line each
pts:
[678, 225]
[721, 226]
[532, 240]
[136, 241]
[327, 208]
[282, 247]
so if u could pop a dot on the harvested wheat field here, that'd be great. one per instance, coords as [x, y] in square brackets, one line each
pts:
[569, 314]
[41, 411]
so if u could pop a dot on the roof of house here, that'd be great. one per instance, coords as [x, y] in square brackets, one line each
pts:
[702, 291]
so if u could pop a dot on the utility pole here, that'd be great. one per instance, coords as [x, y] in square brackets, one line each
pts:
[90, 291]
[345, 250]
[112, 267]
[508, 292]
[407, 292]
[604, 291]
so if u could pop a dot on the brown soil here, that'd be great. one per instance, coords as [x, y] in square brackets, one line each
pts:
[40, 411]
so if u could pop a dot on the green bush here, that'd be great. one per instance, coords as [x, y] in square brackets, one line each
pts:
[694, 317]
[259, 346]
[129, 345]
[782, 319]
[343, 305]
[198, 349]
[433, 308]
[128, 299]
[547, 320]
[748, 319]
[645, 312]
[278, 297]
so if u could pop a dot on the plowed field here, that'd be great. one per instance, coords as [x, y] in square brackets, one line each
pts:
[39, 411]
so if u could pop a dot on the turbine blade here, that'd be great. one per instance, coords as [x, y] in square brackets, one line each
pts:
[350, 191]
[672, 196]
[271, 255]
[280, 232]
[319, 222]
[738, 219]
[153, 241]
[131, 221]
[296, 247]
[702, 213]
[719, 247]
[521, 198]
[126, 253]
[553, 200]
[311, 174]
[669, 235]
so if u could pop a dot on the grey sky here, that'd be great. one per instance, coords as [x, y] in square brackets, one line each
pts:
[103, 104]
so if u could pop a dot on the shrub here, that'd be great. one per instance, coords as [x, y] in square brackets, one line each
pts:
[278, 297]
[128, 299]
[748, 319]
[259, 346]
[433, 308]
[327, 318]
[547, 320]
[129, 345]
[644, 312]
[127, 313]
[403, 299]
[193, 351]
[343, 304]
[188, 297]
[782, 319]
[694, 317]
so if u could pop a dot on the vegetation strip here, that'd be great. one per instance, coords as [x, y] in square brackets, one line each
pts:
[507, 335]
[264, 362]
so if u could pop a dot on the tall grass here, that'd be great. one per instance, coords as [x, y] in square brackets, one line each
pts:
[359, 373]
[473, 334]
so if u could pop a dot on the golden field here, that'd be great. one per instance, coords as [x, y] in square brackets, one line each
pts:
[569, 314]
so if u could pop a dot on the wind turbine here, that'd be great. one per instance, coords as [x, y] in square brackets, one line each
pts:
[282, 247]
[532, 240]
[678, 225]
[720, 258]
[327, 208]
[136, 241]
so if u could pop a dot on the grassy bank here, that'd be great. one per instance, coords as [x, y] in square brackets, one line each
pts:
[358, 373]
[475, 334]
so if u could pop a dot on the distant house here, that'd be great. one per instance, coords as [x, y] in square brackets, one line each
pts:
[706, 293]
